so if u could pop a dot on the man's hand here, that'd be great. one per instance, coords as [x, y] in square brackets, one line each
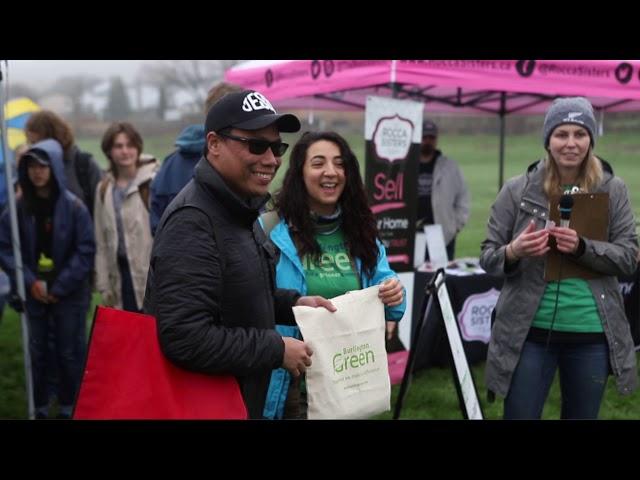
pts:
[391, 292]
[38, 289]
[297, 356]
[315, 301]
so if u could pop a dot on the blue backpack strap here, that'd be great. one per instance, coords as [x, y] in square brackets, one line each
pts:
[280, 380]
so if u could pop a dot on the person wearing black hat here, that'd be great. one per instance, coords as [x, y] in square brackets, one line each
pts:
[443, 196]
[575, 325]
[82, 174]
[80, 168]
[58, 248]
[210, 283]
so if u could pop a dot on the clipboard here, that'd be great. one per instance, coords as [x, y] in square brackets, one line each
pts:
[590, 218]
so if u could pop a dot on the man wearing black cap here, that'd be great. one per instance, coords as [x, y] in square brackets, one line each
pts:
[443, 197]
[210, 283]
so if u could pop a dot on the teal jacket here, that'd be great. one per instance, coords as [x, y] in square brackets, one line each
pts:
[290, 275]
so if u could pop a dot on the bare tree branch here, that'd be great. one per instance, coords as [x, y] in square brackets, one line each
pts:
[194, 77]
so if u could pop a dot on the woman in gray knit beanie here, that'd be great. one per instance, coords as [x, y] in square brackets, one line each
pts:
[569, 139]
[575, 325]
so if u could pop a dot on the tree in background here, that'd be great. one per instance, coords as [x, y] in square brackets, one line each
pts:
[194, 77]
[74, 88]
[118, 106]
[163, 103]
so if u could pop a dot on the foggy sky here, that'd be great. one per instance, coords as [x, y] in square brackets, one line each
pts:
[37, 73]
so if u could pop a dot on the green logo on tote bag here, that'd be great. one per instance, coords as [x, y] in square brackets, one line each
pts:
[353, 357]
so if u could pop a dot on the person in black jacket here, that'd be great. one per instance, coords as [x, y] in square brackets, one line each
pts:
[82, 174]
[211, 278]
[58, 249]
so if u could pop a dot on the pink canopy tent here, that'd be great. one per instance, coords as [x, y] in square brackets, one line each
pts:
[499, 87]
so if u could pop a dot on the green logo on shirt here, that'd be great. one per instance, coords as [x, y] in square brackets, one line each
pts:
[336, 265]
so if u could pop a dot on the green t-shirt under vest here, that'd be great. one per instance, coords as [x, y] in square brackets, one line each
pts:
[333, 274]
[577, 310]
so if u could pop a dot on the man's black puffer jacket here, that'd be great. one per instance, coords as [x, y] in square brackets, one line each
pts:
[211, 287]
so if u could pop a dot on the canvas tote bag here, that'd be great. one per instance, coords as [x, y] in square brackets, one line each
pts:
[349, 375]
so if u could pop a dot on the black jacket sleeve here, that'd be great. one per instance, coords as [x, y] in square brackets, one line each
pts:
[284, 300]
[188, 289]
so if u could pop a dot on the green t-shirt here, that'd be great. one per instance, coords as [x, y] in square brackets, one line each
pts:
[577, 310]
[333, 274]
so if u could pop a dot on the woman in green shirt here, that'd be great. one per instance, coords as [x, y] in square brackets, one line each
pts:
[576, 326]
[327, 237]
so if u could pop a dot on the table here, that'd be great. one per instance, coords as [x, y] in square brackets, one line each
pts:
[473, 298]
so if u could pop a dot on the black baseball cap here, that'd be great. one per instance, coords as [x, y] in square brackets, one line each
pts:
[247, 110]
[36, 155]
[429, 128]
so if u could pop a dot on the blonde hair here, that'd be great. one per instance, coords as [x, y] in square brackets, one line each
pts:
[589, 176]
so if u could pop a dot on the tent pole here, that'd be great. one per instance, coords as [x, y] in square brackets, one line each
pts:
[503, 101]
[17, 255]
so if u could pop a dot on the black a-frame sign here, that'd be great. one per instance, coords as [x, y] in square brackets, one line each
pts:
[467, 395]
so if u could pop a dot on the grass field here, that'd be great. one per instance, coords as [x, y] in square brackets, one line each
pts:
[432, 394]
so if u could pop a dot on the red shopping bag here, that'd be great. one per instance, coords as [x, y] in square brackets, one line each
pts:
[128, 377]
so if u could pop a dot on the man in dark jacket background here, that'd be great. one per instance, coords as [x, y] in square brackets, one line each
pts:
[211, 285]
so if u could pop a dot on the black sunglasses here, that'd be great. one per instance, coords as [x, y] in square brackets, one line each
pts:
[258, 146]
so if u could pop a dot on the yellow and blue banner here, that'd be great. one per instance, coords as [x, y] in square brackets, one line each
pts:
[16, 114]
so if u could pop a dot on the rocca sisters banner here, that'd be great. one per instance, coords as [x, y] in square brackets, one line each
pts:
[393, 135]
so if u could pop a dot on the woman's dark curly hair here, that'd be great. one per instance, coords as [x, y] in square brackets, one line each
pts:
[358, 222]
